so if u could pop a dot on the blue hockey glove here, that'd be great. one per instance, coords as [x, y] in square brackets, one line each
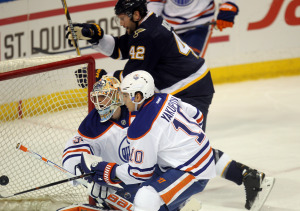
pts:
[84, 31]
[104, 172]
[227, 13]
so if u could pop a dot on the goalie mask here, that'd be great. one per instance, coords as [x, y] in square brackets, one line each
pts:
[107, 97]
[138, 81]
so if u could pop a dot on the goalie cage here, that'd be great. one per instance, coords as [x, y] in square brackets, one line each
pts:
[41, 107]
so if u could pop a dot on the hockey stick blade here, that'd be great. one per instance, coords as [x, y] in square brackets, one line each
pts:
[5, 194]
[267, 185]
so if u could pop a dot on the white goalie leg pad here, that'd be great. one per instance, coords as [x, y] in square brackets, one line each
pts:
[222, 164]
[266, 185]
[147, 199]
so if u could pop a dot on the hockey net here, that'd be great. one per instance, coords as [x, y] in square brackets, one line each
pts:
[41, 107]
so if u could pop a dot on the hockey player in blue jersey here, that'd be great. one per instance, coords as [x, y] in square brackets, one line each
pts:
[140, 128]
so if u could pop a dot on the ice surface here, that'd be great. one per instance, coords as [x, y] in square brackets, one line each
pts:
[257, 123]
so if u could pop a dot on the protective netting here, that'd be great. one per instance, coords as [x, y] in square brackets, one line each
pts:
[40, 111]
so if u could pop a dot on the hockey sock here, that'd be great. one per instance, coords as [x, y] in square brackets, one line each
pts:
[234, 172]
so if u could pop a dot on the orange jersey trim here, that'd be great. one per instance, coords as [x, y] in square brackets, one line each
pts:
[113, 123]
[200, 119]
[200, 161]
[77, 150]
[167, 197]
[141, 175]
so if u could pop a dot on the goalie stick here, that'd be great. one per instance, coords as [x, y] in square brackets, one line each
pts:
[114, 200]
[5, 194]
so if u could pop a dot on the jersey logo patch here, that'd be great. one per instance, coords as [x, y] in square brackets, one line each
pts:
[123, 122]
[161, 180]
[124, 150]
[77, 140]
[136, 32]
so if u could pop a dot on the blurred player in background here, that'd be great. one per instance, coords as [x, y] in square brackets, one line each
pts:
[191, 19]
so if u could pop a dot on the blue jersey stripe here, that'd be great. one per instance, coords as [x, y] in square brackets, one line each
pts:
[204, 167]
[70, 156]
[194, 157]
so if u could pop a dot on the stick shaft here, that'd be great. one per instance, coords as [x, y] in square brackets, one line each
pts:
[70, 24]
[54, 183]
[48, 162]
[54, 165]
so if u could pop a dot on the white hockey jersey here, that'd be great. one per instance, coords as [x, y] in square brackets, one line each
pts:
[163, 133]
[184, 13]
[107, 140]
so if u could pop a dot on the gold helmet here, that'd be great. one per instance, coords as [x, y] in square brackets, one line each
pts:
[107, 97]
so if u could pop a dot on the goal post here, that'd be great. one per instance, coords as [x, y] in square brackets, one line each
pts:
[41, 106]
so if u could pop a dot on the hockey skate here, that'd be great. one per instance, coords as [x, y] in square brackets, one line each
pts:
[257, 187]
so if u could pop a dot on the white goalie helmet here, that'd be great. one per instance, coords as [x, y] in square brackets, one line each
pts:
[138, 81]
[107, 97]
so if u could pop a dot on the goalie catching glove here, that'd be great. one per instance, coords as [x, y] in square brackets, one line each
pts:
[84, 31]
[104, 172]
[227, 13]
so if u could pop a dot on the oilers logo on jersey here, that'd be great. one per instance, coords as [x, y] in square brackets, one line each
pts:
[124, 150]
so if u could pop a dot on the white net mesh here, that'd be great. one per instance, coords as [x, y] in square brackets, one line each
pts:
[40, 111]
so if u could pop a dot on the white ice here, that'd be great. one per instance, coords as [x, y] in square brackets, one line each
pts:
[257, 123]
